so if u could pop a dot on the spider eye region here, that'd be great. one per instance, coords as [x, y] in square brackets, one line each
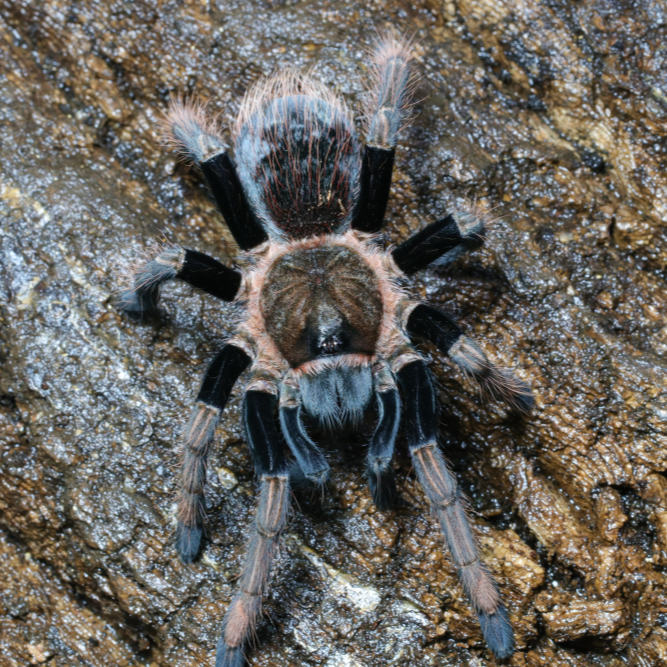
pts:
[332, 344]
[321, 302]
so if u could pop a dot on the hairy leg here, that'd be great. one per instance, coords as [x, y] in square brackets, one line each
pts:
[391, 90]
[270, 464]
[441, 242]
[216, 387]
[192, 267]
[389, 103]
[198, 140]
[442, 492]
[381, 449]
[442, 330]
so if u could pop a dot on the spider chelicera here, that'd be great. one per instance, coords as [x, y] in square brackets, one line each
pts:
[325, 325]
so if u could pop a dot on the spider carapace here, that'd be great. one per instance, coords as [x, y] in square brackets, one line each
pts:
[325, 324]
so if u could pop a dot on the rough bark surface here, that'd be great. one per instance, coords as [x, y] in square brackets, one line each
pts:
[552, 113]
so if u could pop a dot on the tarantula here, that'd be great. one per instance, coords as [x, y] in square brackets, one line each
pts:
[326, 326]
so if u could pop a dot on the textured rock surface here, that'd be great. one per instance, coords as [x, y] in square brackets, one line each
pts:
[552, 114]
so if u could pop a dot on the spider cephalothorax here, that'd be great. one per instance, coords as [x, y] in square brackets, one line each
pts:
[326, 328]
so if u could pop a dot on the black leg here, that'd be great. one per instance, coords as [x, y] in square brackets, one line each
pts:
[271, 466]
[374, 188]
[442, 492]
[441, 330]
[420, 422]
[260, 418]
[308, 456]
[224, 182]
[197, 138]
[216, 387]
[440, 242]
[435, 326]
[193, 267]
[209, 275]
[381, 449]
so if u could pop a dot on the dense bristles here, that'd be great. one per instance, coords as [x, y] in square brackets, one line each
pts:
[188, 542]
[285, 83]
[139, 273]
[337, 395]
[157, 264]
[241, 617]
[354, 387]
[498, 382]
[297, 156]
[198, 437]
[188, 128]
[447, 504]
[229, 656]
[191, 513]
[497, 632]
[472, 219]
[390, 91]
[503, 385]
[320, 399]
[327, 321]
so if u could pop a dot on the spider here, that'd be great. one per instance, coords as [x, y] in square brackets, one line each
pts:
[326, 326]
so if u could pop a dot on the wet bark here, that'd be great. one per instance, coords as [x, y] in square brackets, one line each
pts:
[550, 113]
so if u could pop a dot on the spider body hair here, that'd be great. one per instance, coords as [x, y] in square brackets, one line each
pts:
[298, 156]
[337, 395]
[188, 128]
[391, 89]
[326, 325]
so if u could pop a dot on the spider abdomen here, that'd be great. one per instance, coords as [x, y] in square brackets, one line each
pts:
[298, 157]
[322, 302]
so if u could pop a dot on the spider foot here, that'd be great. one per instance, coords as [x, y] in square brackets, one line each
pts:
[138, 306]
[229, 656]
[504, 385]
[188, 541]
[500, 383]
[497, 632]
